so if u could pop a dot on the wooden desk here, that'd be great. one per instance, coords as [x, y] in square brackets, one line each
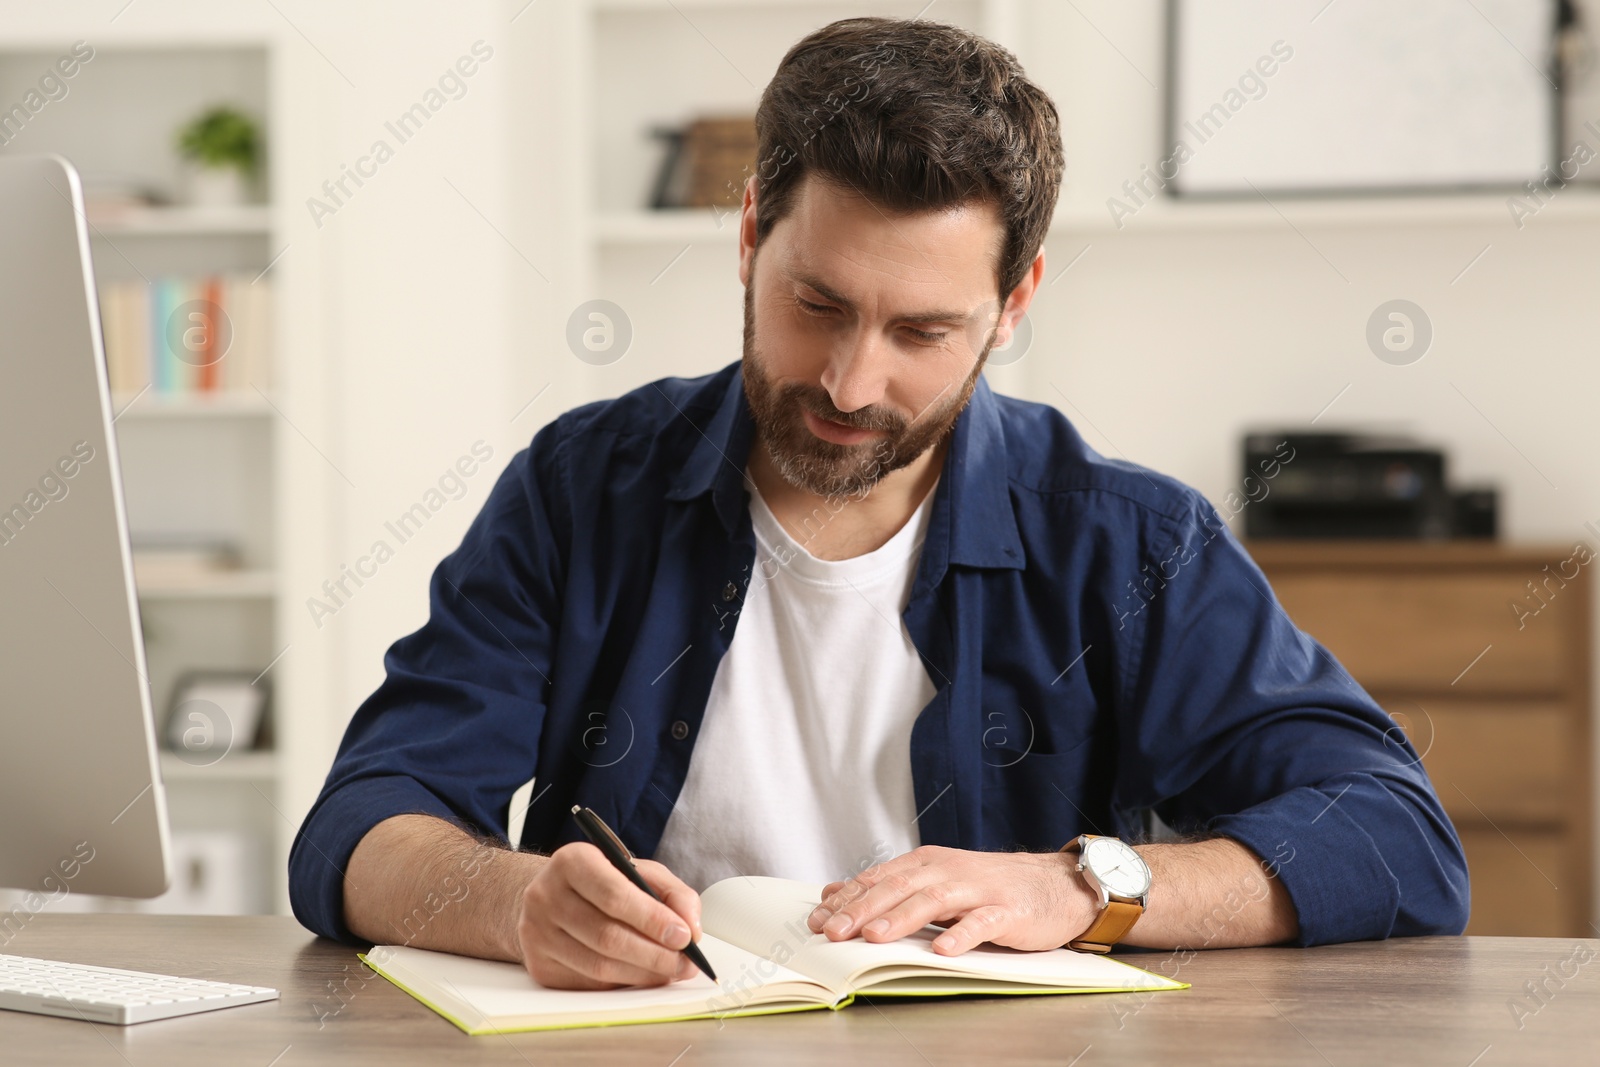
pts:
[1421, 1001]
[1481, 653]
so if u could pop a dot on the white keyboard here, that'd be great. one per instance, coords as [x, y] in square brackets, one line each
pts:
[107, 995]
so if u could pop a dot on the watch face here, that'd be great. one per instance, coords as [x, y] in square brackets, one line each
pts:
[1118, 867]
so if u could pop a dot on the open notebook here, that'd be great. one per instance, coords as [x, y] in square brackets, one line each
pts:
[767, 960]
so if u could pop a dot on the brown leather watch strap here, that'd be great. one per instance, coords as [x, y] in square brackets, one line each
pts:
[1109, 927]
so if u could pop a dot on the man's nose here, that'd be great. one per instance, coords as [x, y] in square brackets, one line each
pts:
[857, 374]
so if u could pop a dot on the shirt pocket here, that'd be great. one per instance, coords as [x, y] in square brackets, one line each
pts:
[1038, 801]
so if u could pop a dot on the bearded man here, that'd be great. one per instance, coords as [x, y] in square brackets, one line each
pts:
[840, 613]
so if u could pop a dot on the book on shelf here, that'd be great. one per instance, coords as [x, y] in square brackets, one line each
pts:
[767, 960]
[187, 335]
[705, 162]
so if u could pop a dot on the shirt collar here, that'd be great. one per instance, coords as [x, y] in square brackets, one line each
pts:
[974, 483]
[716, 463]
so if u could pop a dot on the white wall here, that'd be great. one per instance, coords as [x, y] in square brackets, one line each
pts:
[416, 300]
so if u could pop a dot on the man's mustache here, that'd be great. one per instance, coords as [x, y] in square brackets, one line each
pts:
[870, 418]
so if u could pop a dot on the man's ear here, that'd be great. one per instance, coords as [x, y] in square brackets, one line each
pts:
[747, 231]
[1017, 303]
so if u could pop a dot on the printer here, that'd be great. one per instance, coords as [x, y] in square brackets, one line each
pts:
[1348, 485]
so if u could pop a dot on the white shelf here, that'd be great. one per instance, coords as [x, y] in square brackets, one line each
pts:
[234, 767]
[247, 219]
[153, 405]
[1477, 209]
[692, 225]
[224, 585]
[666, 226]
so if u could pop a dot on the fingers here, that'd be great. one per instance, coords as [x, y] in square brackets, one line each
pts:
[931, 903]
[613, 941]
[609, 890]
[988, 923]
[835, 895]
[674, 892]
[584, 925]
[1007, 899]
[905, 900]
[564, 962]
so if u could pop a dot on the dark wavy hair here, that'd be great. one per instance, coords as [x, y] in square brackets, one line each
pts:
[914, 116]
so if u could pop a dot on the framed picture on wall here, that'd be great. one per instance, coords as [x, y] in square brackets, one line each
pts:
[1310, 97]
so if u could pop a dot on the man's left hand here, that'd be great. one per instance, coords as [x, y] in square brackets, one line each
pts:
[1023, 900]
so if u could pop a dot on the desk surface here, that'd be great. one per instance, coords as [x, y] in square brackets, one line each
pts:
[1420, 1001]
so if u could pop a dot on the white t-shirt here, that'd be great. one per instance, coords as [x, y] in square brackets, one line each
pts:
[803, 764]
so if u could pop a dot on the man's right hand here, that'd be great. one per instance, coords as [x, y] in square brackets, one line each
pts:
[583, 925]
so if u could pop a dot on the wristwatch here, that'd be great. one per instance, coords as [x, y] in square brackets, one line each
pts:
[1122, 879]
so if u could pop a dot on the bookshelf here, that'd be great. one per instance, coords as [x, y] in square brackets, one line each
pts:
[200, 456]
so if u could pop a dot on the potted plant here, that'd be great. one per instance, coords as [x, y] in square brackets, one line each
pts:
[223, 150]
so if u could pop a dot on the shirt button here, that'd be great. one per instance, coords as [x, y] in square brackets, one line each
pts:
[680, 730]
[730, 591]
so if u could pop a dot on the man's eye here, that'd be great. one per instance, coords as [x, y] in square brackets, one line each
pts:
[816, 309]
[926, 337]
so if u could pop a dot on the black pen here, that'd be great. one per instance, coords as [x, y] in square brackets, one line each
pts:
[611, 845]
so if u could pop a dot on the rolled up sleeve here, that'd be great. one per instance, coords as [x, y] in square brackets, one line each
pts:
[1246, 727]
[453, 730]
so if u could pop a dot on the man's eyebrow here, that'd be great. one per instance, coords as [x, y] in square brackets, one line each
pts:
[829, 294]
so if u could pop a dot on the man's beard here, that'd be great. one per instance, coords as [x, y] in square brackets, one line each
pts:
[831, 470]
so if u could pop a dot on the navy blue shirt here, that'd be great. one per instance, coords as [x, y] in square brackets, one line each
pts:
[1099, 643]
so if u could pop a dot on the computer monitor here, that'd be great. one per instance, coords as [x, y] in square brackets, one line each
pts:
[82, 806]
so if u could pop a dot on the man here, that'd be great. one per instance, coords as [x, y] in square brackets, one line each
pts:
[840, 613]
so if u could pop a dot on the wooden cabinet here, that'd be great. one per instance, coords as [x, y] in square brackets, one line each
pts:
[1481, 652]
